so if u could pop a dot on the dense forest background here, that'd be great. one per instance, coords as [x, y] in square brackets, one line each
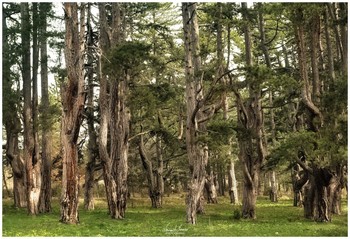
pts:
[115, 100]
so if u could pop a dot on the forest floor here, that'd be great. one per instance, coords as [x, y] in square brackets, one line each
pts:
[273, 220]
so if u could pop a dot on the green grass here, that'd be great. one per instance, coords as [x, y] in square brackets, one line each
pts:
[273, 219]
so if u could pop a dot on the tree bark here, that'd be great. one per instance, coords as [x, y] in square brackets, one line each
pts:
[343, 12]
[160, 166]
[299, 180]
[315, 39]
[197, 152]
[114, 115]
[330, 65]
[12, 124]
[210, 187]
[338, 41]
[92, 144]
[315, 112]
[250, 138]
[154, 188]
[33, 190]
[73, 100]
[45, 195]
[273, 189]
[232, 184]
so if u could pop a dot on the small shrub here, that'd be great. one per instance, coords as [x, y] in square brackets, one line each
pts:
[236, 214]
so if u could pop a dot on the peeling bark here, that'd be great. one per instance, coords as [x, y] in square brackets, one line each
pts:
[73, 100]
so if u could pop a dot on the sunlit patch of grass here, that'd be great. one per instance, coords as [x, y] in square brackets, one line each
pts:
[273, 219]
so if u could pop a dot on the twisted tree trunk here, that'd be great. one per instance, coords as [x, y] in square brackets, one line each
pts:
[13, 128]
[197, 152]
[250, 136]
[73, 100]
[115, 115]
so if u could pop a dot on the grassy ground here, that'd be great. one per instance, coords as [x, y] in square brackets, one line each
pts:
[274, 219]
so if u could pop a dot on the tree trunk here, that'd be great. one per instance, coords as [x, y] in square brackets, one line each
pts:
[273, 188]
[250, 139]
[115, 115]
[12, 124]
[33, 190]
[92, 145]
[45, 196]
[330, 56]
[104, 111]
[197, 152]
[343, 12]
[210, 187]
[159, 171]
[35, 112]
[232, 184]
[315, 39]
[153, 186]
[17, 163]
[73, 100]
[221, 179]
[273, 191]
[314, 111]
[299, 180]
[332, 14]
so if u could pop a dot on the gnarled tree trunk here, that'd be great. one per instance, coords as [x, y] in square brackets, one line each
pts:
[73, 100]
[154, 188]
[197, 152]
[115, 115]
[12, 124]
[250, 136]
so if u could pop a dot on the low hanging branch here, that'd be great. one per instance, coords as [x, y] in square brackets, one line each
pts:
[207, 97]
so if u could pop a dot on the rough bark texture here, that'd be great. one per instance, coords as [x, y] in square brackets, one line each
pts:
[320, 190]
[330, 65]
[299, 180]
[197, 151]
[73, 100]
[92, 144]
[12, 124]
[314, 111]
[33, 180]
[154, 189]
[160, 166]
[17, 163]
[114, 115]
[210, 188]
[45, 195]
[273, 187]
[315, 39]
[250, 138]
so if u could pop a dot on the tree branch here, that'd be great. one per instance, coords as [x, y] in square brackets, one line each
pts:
[304, 166]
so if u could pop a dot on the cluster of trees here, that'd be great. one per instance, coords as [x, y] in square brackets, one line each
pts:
[189, 91]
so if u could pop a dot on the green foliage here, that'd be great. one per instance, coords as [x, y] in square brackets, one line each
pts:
[287, 149]
[127, 55]
[281, 219]
[237, 213]
[220, 132]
